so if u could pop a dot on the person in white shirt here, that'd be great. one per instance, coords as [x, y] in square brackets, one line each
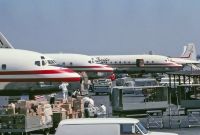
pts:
[88, 102]
[103, 110]
[91, 101]
[63, 86]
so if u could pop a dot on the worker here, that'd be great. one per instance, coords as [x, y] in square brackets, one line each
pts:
[88, 102]
[63, 86]
[91, 101]
[76, 93]
[103, 110]
[33, 108]
[52, 98]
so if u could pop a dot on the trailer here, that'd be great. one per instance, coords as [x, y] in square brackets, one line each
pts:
[102, 86]
[23, 124]
[127, 101]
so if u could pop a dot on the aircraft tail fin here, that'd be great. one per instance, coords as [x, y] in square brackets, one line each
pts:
[189, 52]
[4, 43]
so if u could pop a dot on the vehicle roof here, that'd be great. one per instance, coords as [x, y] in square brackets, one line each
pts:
[126, 87]
[144, 79]
[98, 121]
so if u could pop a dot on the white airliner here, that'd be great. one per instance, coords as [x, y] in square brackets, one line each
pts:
[28, 66]
[138, 63]
[22, 70]
[79, 62]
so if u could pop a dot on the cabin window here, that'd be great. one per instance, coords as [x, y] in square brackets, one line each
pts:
[70, 63]
[147, 62]
[152, 61]
[3, 67]
[37, 63]
[115, 62]
[124, 62]
[129, 62]
[63, 64]
[139, 62]
[111, 62]
[120, 62]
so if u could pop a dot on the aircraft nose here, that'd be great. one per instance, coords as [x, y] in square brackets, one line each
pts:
[176, 65]
[108, 68]
[70, 75]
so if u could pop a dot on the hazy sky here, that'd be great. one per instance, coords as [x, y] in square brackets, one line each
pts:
[101, 26]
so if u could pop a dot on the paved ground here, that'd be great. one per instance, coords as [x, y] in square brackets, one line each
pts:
[182, 131]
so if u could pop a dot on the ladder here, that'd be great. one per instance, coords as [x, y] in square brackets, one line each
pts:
[154, 119]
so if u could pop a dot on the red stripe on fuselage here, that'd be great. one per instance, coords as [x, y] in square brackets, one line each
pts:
[85, 67]
[36, 72]
[94, 70]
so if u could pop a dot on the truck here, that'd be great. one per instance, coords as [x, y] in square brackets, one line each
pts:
[104, 126]
[102, 86]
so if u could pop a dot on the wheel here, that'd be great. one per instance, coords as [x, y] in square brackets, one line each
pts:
[26, 133]
[46, 132]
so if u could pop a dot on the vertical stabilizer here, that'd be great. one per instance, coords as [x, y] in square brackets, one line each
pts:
[189, 52]
[4, 42]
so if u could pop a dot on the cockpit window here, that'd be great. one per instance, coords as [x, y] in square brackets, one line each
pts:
[42, 57]
[37, 63]
[44, 63]
[89, 61]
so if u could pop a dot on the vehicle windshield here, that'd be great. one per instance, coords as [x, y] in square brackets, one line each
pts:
[141, 128]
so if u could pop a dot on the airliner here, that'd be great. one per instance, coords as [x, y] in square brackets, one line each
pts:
[78, 62]
[138, 63]
[27, 66]
[22, 70]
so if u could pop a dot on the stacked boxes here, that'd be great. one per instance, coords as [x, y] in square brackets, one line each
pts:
[71, 108]
[24, 113]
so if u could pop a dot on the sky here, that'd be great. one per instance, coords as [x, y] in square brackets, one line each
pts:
[97, 27]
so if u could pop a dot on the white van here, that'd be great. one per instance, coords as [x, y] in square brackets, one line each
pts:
[104, 126]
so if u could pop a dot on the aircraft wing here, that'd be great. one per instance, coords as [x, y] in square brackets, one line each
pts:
[4, 43]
